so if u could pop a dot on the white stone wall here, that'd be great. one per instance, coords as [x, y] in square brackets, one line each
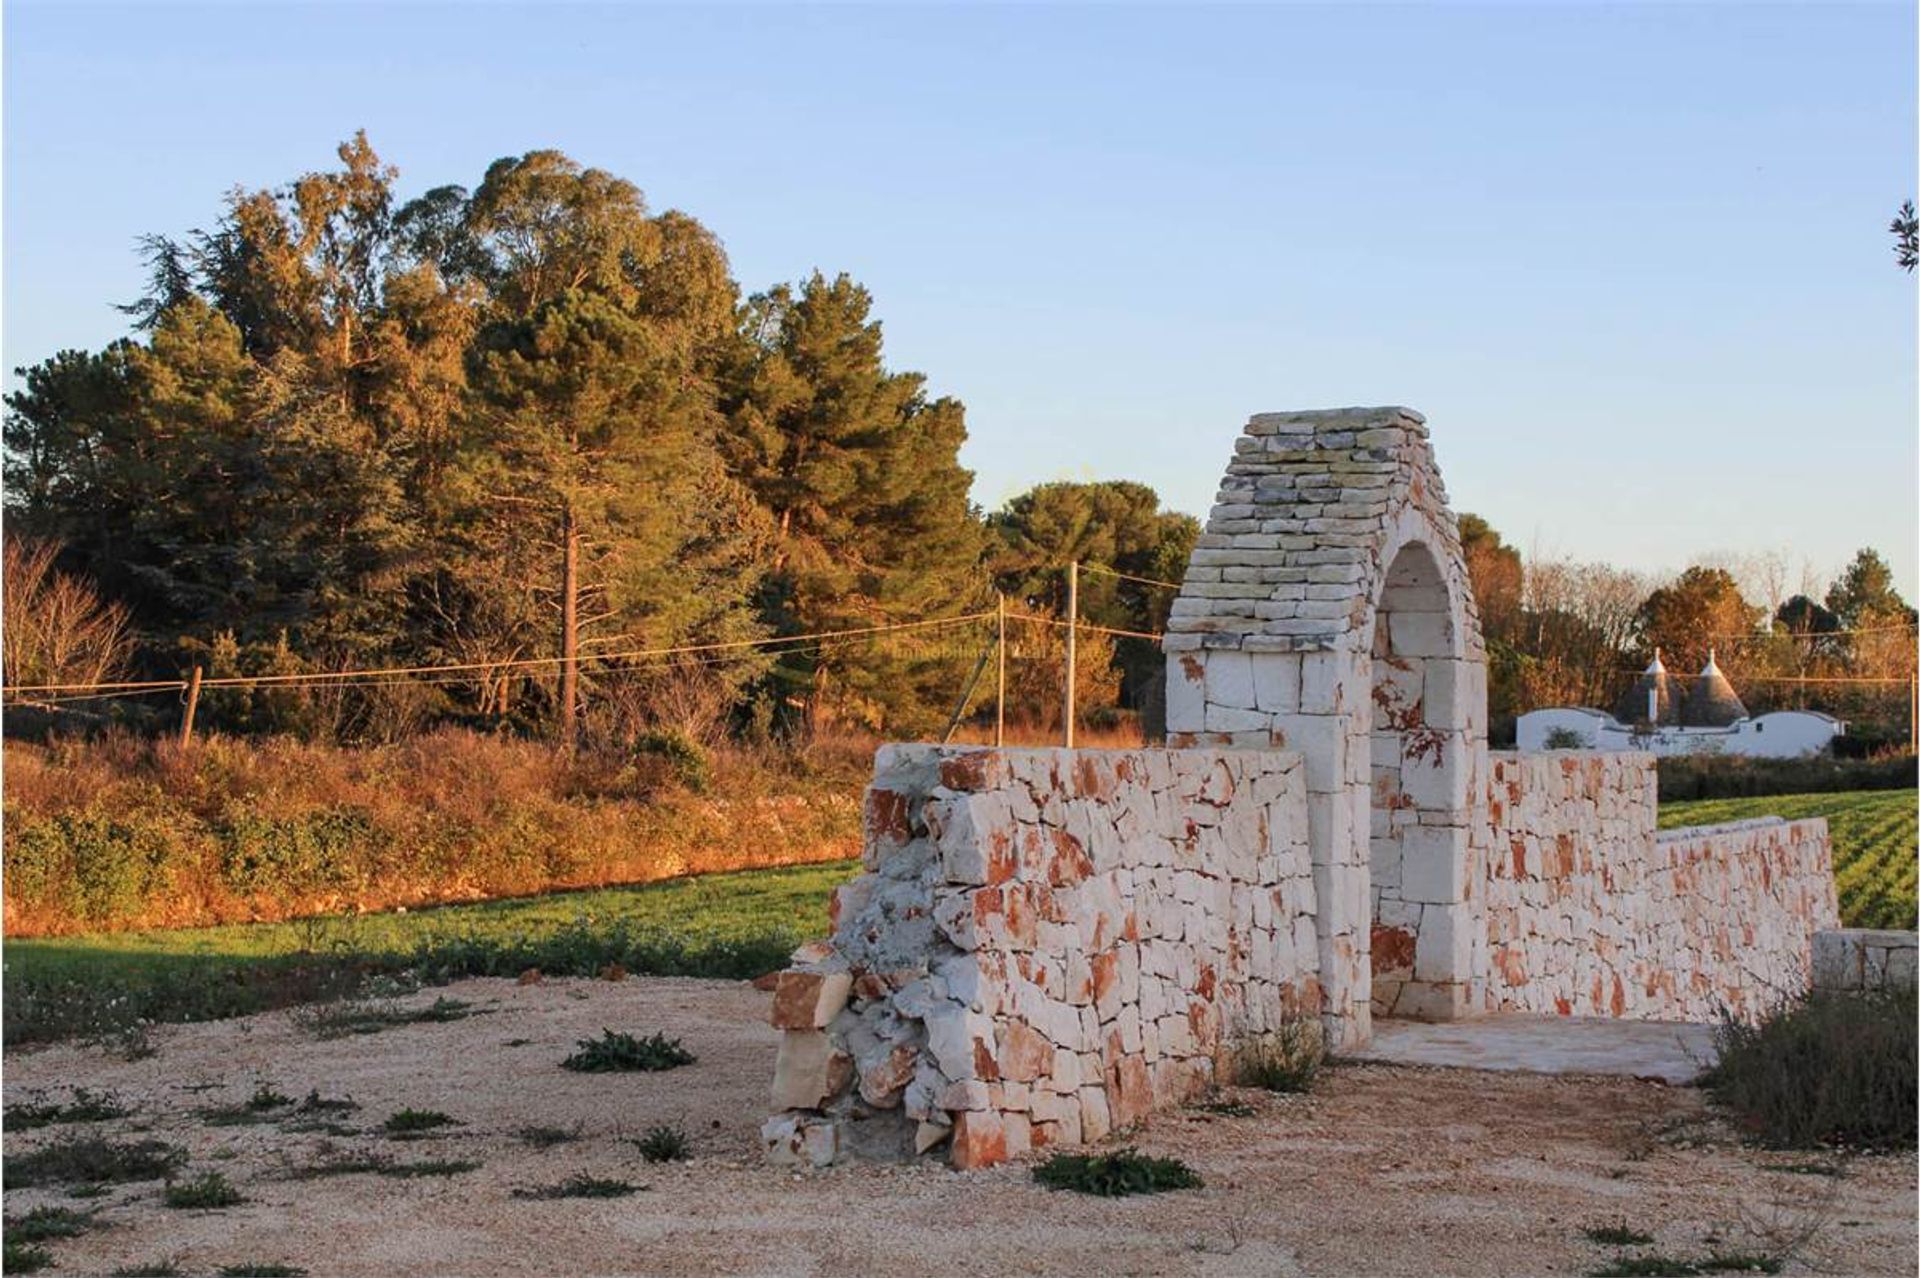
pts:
[1046, 945]
[1590, 912]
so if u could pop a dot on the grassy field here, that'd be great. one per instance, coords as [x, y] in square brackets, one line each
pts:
[1874, 844]
[725, 925]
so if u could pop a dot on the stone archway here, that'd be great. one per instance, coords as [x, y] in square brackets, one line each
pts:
[1330, 571]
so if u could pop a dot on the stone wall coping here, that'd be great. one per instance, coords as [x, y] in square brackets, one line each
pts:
[1678, 833]
[1877, 937]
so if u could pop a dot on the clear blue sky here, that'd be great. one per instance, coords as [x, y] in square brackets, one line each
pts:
[1631, 261]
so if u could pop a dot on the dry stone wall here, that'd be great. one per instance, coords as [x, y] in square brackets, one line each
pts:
[1591, 912]
[1046, 945]
[1859, 958]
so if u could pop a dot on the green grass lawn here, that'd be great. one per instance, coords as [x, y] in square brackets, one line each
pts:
[1874, 844]
[725, 925]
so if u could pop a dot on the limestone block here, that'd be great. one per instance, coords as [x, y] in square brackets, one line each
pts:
[1229, 682]
[809, 1000]
[1186, 691]
[1433, 865]
[1231, 719]
[799, 1140]
[1443, 950]
[809, 1070]
[979, 1140]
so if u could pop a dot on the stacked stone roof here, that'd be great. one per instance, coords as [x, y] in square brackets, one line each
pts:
[1293, 548]
[1712, 703]
[1656, 683]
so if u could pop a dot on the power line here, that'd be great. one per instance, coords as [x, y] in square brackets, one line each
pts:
[1127, 576]
[775, 644]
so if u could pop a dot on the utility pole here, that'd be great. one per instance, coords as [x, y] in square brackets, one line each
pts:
[193, 704]
[1073, 629]
[1000, 678]
[569, 629]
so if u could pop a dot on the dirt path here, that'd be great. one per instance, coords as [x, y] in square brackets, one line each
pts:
[1386, 1170]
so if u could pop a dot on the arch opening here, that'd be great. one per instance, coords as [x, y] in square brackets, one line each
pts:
[1420, 763]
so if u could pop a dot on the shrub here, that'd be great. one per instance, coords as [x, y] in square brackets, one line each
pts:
[612, 1053]
[663, 1144]
[85, 1107]
[1827, 1069]
[1564, 739]
[203, 1193]
[43, 1223]
[691, 764]
[92, 1160]
[414, 1122]
[1286, 1060]
[1114, 1175]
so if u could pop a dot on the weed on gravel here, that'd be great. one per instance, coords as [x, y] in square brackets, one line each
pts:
[1287, 1060]
[93, 1160]
[43, 1223]
[203, 1193]
[406, 1124]
[85, 1107]
[1226, 1109]
[1616, 1235]
[613, 1053]
[547, 1137]
[1658, 1266]
[664, 1144]
[581, 1186]
[263, 1106]
[1114, 1175]
[259, 1269]
[17, 1257]
[151, 1269]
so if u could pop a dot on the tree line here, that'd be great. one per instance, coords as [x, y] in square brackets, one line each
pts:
[533, 419]
[1562, 633]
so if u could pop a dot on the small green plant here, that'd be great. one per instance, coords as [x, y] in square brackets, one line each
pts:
[89, 1191]
[17, 1257]
[261, 1269]
[43, 1223]
[85, 1107]
[581, 1186]
[548, 1137]
[1808, 1169]
[1286, 1060]
[1564, 739]
[1827, 1069]
[1122, 1172]
[613, 1052]
[93, 1160]
[203, 1193]
[1618, 1235]
[315, 1103]
[257, 1108]
[168, 1268]
[1738, 1262]
[663, 1144]
[405, 1123]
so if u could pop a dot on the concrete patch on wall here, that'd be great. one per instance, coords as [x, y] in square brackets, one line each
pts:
[1591, 912]
[1046, 945]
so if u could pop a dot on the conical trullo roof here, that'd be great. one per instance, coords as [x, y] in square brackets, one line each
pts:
[1712, 703]
[1652, 700]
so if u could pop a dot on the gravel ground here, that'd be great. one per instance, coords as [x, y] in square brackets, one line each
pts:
[1386, 1169]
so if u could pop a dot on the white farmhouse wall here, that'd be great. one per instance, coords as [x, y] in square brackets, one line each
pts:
[1783, 734]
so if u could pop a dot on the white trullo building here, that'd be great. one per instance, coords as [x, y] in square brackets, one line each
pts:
[1657, 715]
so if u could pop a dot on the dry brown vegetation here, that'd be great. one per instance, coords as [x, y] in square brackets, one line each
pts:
[120, 832]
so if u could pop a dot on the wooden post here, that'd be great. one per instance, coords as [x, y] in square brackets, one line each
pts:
[193, 704]
[569, 629]
[1000, 678]
[1073, 628]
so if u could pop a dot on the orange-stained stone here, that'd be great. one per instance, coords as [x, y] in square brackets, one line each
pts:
[979, 1140]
